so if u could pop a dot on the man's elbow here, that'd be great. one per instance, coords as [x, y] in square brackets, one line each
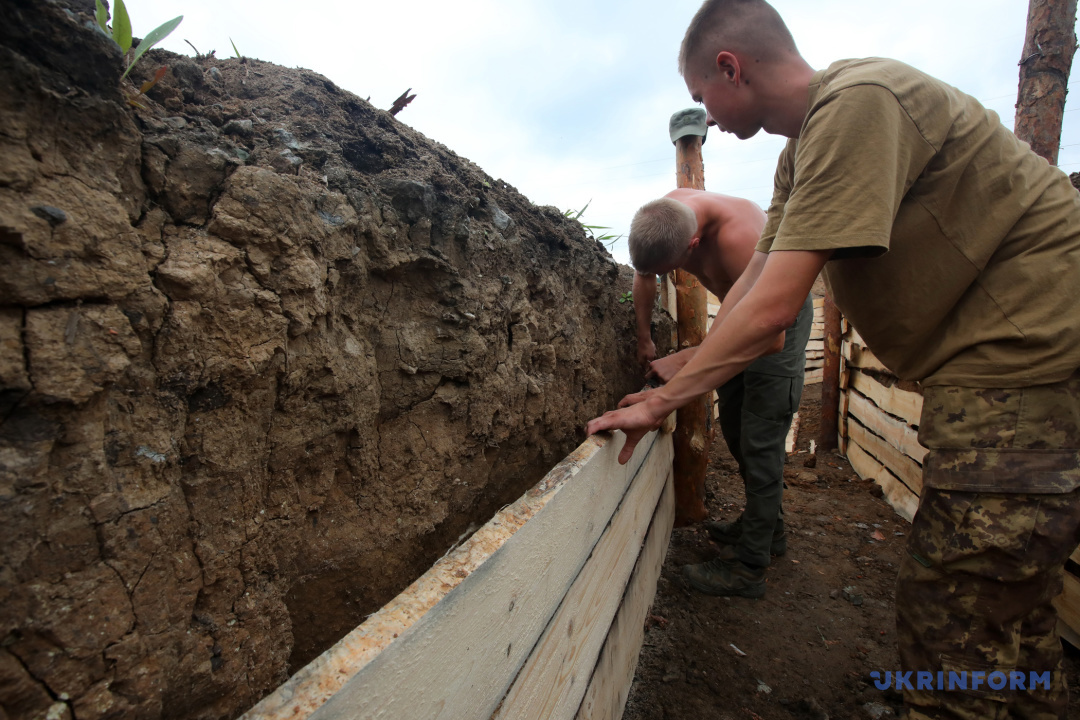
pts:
[776, 324]
[777, 343]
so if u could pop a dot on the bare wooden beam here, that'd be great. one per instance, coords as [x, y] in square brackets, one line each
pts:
[830, 379]
[1045, 64]
[692, 434]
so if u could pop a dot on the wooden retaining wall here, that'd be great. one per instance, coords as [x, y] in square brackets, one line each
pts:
[539, 614]
[878, 428]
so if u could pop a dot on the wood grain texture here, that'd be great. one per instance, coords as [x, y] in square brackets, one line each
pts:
[609, 686]
[896, 432]
[897, 494]
[1068, 607]
[451, 643]
[901, 403]
[554, 678]
[860, 356]
[903, 467]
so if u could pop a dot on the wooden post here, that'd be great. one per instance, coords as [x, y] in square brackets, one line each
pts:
[830, 379]
[1044, 74]
[692, 437]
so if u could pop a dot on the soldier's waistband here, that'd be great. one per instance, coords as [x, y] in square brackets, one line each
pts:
[1002, 470]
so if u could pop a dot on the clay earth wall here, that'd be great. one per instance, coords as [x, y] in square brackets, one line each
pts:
[265, 354]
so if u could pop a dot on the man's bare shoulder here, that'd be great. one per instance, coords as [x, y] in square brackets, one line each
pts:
[718, 208]
[716, 204]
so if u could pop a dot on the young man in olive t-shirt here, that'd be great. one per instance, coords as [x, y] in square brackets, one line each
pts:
[955, 252]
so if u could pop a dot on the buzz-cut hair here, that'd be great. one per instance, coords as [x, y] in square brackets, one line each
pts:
[660, 233]
[751, 28]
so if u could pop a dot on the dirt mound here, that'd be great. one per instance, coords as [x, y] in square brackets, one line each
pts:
[265, 354]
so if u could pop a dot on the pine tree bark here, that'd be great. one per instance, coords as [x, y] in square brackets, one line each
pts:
[1049, 46]
[692, 437]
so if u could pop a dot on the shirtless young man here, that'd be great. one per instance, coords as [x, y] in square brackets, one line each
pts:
[713, 237]
[954, 250]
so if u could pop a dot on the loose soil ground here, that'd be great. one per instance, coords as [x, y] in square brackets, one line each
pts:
[806, 649]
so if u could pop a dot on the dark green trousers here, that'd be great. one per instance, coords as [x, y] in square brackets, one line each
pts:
[756, 407]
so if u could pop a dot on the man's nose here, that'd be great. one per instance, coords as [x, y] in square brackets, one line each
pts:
[708, 120]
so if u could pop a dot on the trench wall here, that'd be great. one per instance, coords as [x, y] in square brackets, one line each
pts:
[266, 353]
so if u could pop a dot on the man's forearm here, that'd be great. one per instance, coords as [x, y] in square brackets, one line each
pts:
[747, 330]
[741, 286]
[644, 298]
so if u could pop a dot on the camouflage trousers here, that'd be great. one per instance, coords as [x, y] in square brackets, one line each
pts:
[998, 517]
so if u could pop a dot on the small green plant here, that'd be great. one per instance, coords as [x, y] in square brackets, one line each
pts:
[238, 55]
[626, 297]
[120, 31]
[606, 239]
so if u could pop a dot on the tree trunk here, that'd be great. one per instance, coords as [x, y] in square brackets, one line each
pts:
[692, 436]
[1044, 74]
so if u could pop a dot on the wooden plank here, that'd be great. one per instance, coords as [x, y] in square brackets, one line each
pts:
[792, 433]
[897, 433]
[818, 303]
[1068, 607]
[845, 401]
[860, 356]
[609, 686]
[853, 335]
[554, 678]
[897, 494]
[813, 376]
[899, 464]
[451, 643]
[1075, 557]
[902, 403]
[815, 346]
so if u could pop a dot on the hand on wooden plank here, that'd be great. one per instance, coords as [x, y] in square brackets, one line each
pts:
[632, 417]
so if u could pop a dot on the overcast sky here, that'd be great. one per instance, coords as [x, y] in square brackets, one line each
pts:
[568, 101]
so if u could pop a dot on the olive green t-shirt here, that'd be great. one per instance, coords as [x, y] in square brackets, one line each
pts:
[957, 249]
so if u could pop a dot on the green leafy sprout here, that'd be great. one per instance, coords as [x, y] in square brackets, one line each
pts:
[120, 32]
[626, 297]
[238, 55]
[594, 231]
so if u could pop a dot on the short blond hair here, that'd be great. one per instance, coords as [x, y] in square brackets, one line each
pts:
[660, 233]
[752, 28]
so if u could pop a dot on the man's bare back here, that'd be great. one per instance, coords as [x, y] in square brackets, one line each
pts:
[728, 230]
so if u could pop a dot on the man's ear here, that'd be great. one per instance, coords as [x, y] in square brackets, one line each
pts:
[694, 242]
[728, 67]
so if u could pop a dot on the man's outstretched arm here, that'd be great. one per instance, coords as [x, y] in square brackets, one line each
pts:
[665, 368]
[644, 299]
[747, 331]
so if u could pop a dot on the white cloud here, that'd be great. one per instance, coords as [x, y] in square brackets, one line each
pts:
[569, 100]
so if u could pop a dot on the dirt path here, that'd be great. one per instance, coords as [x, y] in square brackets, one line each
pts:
[805, 650]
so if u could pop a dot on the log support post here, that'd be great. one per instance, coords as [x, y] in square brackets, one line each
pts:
[693, 435]
[830, 380]
[1049, 45]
